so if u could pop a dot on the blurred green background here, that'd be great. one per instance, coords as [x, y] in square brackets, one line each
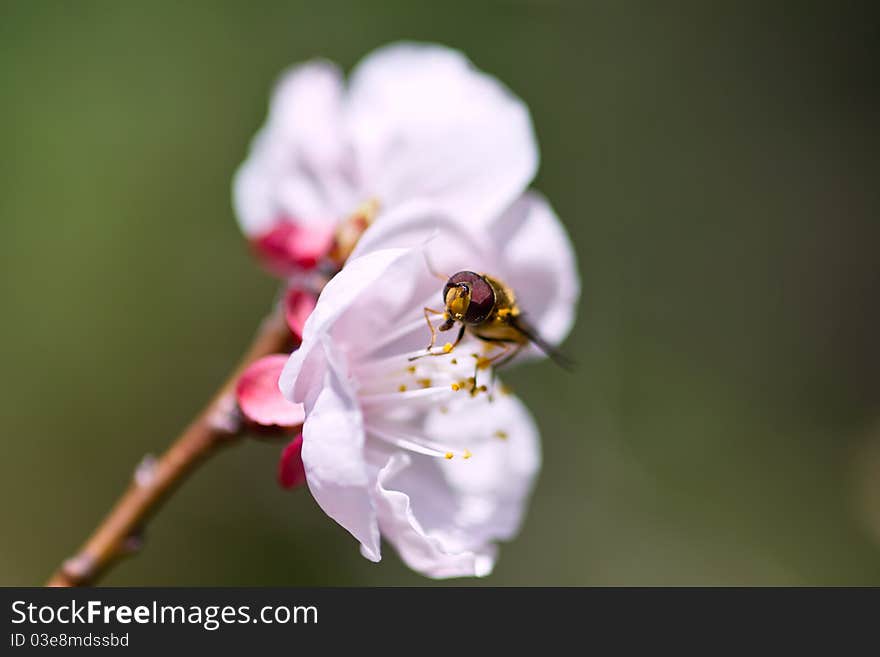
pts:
[716, 166]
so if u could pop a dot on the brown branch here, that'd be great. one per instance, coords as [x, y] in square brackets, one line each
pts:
[219, 424]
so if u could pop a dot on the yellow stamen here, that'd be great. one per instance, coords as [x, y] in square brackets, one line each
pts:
[447, 347]
[425, 383]
[456, 387]
[454, 361]
[401, 388]
[448, 455]
[411, 369]
[467, 454]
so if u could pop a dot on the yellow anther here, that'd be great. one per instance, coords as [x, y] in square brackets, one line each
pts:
[425, 383]
[472, 381]
[454, 361]
[411, 369]
[467, 454]
[448, 455]
[483, 363]
[482, 388]
[401, 388]
[501, 434]
[456, 387]
[447, 347]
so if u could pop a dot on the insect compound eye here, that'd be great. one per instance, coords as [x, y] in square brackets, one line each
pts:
[482, 296]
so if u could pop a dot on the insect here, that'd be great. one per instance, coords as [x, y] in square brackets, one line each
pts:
[486, 308]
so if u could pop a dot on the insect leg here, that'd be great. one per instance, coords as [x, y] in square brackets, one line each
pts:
[504, 358]
[483, 363]
[431, 311]
[457, 340]
[447, 349]
[499, 360]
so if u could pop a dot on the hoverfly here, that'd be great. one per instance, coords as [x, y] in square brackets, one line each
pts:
[486, 308]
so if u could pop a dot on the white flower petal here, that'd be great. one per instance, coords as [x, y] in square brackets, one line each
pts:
[297, 167]
[332, 453]
[426, 124]
[493, 485]
[303, 372]
[446, 242]
[408, 485]
[306, 111]
[444, 516]
[538, 262]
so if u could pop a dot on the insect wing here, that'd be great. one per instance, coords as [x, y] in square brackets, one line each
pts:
[521, 325]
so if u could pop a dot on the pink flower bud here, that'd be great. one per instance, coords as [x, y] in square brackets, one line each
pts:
[259, 397]
[289, 247]
[298, 305]
[291, 472]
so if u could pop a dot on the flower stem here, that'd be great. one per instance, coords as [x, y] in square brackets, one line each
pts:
[219, 424]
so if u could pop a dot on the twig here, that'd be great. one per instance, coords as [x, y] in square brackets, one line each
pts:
[219, 424]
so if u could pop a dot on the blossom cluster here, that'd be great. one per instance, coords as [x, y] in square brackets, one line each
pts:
[364, 197]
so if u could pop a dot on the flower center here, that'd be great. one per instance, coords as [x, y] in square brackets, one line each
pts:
[349, 231]
[396, 392]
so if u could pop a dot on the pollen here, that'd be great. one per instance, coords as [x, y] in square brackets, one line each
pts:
[425, 383]
[501, 434]
[483, 363]
[448, 455]
[467, 454]
[456, 387]
[447, 347]
[401, 388]
[411, 369]
[454, 361]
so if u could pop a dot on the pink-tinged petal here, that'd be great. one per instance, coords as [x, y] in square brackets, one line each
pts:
[297, 165]
[426, 124]
[298, 305]
[259, 397]
[303, 374]
[538, 262]
[291, 471]
[333, 454]
[290, 247]
[416, 512]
